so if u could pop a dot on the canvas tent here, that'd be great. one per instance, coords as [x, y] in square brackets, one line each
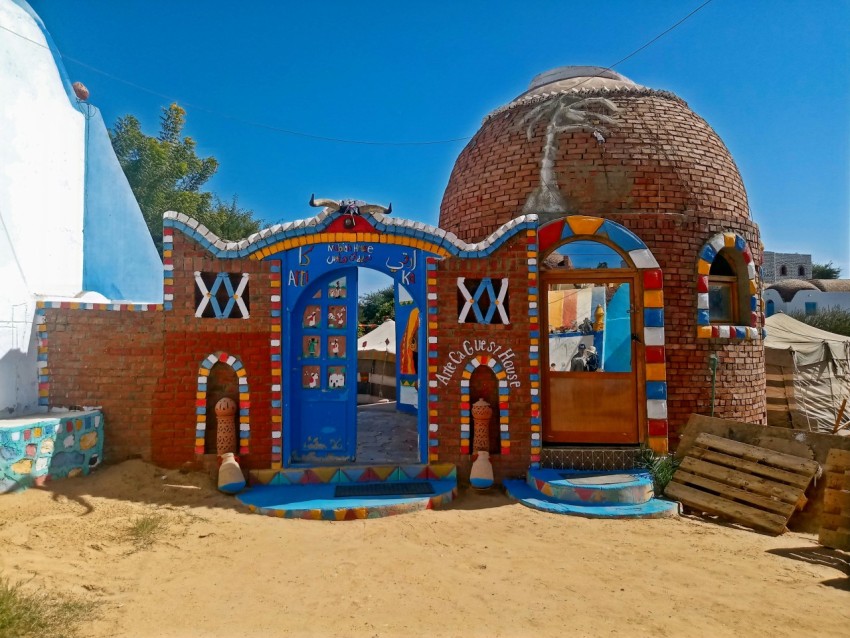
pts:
[808, 375]
[376, 367]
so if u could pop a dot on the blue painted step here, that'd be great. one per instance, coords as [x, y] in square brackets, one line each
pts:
[629, 487]
[530, 497]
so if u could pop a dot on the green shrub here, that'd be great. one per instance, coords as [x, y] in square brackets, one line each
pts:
[661, 467]
[835, 320]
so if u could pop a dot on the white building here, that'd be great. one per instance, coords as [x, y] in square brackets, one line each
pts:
[68, 220]
[807, 297]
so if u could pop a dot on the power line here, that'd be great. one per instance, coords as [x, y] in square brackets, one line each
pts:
[324, 138]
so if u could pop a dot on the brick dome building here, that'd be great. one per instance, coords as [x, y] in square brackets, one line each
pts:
[584, 142]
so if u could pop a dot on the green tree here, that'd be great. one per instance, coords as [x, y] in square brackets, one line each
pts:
[166, 173]
[825, 271]
[374, 308]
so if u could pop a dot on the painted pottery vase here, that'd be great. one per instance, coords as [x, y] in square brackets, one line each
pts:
[481, 474]
[481, 414]
[225, 434]
[230, 478]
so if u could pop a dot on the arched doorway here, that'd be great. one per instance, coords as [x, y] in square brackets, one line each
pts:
[322, 411]
[591, 393]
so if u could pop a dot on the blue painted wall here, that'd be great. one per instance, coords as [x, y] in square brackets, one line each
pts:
[120, 260]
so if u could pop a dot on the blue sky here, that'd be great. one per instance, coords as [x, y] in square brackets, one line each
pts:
[770, 77]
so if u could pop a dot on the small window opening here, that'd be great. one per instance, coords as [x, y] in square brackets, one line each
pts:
[801, 271]
[783, 271]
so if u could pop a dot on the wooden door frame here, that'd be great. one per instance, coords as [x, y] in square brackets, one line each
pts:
[602, 276]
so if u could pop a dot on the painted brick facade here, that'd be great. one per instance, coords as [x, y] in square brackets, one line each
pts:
[664, 174]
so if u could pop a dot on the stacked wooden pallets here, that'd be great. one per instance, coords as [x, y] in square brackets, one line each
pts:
[750, 485]
[835, 522]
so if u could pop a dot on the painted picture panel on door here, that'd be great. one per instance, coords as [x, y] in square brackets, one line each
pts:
[337, 289]
[310, 347]
[336, 347]
[337, 316]
[312, 317]
[310, 377]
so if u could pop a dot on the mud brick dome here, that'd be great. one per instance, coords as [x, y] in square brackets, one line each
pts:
[656, 168]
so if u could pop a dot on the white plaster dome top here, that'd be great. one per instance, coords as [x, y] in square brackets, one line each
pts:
[566, 78]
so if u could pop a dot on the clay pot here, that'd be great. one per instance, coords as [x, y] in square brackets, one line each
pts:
[225, 415]
[230, 477]
[80, 91]
[481, 474]
[481, 414]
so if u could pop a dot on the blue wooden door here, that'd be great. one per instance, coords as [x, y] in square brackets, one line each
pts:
[324, 373]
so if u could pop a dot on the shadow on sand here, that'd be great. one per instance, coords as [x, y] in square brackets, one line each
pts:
[821, 556]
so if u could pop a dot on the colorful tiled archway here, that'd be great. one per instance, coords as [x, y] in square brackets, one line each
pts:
[466, 404]
[577, 227]
[706, 256]
[201, 400]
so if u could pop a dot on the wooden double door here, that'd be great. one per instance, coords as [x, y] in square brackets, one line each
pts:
[592, 379]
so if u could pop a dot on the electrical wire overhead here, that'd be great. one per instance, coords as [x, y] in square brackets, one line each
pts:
[325, 138]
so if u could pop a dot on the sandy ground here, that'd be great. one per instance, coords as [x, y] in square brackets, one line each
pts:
[484, 567]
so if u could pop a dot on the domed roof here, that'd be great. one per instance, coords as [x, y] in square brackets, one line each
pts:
[787, 288]
[590, 141]
[565, 78]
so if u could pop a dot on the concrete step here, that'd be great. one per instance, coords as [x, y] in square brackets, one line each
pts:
[578, 487]
[312, 492]
[530, 497]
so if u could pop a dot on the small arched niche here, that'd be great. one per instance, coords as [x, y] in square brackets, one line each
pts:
[222, 382]
[484, 384]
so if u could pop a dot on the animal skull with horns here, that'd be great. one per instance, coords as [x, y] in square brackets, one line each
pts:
[350, 206]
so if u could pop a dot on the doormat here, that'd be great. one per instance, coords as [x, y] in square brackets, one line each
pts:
[595, 478]
[415, 488]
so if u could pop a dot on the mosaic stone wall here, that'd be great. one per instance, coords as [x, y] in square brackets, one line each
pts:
[41, 448]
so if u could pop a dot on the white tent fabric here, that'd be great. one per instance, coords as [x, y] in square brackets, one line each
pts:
[377, 340]
[808, 375]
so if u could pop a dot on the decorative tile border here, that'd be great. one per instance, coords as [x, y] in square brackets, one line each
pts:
[444, 475]
[534, 348]
[276, 350]
[168, 267]
[320, 229]
[707, 254]
[433, 397]
[582, 227]
[466, 403]
[201, 400]
[391, 473]
[42, 340]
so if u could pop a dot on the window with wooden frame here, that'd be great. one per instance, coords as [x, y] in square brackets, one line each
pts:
[724, 289]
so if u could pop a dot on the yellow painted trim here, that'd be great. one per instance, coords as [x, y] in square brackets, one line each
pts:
[704, 332]
[703, 267]
[653, 299]
[729, 240]
[658, 444]
[656, 372]
[583, 225]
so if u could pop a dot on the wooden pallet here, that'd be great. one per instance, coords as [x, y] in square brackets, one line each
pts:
[835, 522]
[751, 485]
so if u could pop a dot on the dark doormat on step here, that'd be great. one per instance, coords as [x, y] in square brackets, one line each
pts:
[415, 488]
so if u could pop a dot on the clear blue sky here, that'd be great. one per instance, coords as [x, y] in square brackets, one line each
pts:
[770, 77]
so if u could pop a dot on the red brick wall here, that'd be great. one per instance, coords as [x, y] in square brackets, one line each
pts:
[142, 367]
[508, 261]
[113, 359]
[664, 174]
